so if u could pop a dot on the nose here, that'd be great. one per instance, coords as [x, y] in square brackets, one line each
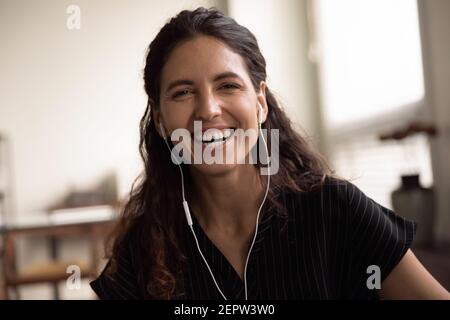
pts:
[207, 107]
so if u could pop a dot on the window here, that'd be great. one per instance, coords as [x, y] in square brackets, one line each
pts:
[371, 80]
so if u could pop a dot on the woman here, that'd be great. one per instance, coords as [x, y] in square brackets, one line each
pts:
[219, 230]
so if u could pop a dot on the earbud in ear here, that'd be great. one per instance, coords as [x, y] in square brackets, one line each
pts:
[260, 115]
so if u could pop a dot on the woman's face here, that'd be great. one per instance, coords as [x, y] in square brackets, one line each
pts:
[204, 80]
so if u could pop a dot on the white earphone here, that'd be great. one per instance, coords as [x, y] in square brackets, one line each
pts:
[189, 217]
[260, 115]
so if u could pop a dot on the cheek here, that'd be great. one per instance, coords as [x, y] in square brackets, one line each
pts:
[176, 117]
[244, 110]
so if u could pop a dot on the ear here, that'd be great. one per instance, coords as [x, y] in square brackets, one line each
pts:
[262, 102]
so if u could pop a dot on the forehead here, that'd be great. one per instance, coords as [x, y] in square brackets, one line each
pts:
[202, 57]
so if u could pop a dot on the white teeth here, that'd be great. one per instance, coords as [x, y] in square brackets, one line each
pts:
[208, 135]
[218, 135]
[227, 133]
[212, 135]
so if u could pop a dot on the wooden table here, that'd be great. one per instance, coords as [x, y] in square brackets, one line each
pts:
[53, 228]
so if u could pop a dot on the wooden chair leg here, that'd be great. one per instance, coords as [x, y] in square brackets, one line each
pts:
[13, 292]
[4, 292]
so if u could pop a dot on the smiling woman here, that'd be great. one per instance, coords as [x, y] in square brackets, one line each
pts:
[302, 233]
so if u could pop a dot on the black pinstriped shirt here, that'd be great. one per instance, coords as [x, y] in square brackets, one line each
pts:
[320, 250]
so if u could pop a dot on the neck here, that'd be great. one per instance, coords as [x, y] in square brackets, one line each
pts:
[228, 202]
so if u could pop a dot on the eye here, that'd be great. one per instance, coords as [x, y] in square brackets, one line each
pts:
[230, 86]
[181, 93]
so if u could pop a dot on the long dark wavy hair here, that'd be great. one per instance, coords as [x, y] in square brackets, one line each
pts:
[153, 213]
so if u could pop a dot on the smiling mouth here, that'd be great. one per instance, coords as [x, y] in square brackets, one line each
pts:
[214, 136]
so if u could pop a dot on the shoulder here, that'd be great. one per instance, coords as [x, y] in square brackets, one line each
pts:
[339, 203]
[333, 194]
[341, 195]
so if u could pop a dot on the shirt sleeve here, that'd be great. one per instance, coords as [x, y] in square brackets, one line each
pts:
[379, 240]
[120, 284]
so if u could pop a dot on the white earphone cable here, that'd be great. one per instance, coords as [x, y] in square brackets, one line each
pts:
[257, 217]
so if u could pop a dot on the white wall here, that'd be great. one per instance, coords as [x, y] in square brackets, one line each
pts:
[70, 100]
[281, 29]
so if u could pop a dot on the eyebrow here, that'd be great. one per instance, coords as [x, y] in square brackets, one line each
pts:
[227, 74]
[218, 77]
